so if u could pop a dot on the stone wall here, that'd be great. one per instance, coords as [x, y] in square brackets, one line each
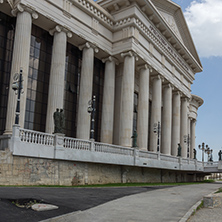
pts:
[16, 170]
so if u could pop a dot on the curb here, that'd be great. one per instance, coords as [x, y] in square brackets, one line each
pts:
[192, 209]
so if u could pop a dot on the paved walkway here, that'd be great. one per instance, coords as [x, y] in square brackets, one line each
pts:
[169, 204]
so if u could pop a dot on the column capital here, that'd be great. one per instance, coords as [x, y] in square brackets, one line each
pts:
[185, 99]
[145, 66]
[59, 28]
[130, 54]
[158, 76]
[21, 8]
[110, 59]
[89, 45]
[177, 92]
[168, 85]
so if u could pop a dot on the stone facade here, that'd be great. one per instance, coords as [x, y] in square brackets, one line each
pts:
[16, 170]
[137, 57]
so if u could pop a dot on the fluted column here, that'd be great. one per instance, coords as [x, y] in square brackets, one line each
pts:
[108, 101]
[57, 74]
[193, 138]
[155, 111]
[20, 60]
[127, 91]
[85, 94]
[143, 107]
[167, 120]
[183, 127]
[175, 123]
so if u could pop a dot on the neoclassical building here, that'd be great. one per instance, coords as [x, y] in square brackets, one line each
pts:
[136, 56]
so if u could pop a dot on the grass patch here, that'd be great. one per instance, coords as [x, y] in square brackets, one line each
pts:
[200, 206]
[208, 181]
[219, 190]
[115, 184]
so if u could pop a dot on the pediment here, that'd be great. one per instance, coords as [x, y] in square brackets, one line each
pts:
[170, 20]
[173, 16]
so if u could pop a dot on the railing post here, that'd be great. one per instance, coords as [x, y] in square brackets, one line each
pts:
[92, 145]
[136, 156]
[180, 163]
[59, 146]
[15, 137]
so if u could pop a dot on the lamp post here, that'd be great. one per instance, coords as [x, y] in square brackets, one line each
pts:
[157, 130]
[17, 86]
[188, 145]
[92, 110]
[203, 150]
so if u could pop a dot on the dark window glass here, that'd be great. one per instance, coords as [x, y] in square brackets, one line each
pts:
[71, 94]
[135, 112]
[38, 79]
[98, 81]
[7, 32]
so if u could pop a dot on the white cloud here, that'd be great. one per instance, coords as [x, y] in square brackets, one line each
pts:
[204, 19]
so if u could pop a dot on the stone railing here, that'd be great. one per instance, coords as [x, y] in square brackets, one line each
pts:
[57, 146]
[72, 143]
[35, 137]
[108, 148]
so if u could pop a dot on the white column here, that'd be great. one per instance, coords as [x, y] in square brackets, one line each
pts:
[175, 123]
[20, 60]
[193, 137]
[143, 107]
[85, 94]
[108, 101]
[155, 111]
[167, 120]
[183, 127]
[127, 91]
[57, 75]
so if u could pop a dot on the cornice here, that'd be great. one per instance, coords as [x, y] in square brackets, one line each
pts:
[94, 9]
[196, 101]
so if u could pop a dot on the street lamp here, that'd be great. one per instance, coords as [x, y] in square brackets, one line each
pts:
[203, 150]
[188, 145]
[92, 110]
[17, 86]
[156, 129]
[209, 152]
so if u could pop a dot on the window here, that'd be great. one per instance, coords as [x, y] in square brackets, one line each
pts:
[38, 79]
[7, 31]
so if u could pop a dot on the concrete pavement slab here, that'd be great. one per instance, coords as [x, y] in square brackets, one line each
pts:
[168, 205]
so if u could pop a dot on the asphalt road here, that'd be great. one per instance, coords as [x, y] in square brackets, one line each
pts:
[67, 199]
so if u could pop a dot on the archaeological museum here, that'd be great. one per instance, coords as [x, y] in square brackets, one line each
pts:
[118, 71]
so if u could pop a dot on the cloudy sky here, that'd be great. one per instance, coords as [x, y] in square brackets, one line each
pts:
[204, 19]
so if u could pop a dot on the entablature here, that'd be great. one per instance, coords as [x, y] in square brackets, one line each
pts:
[155, 17]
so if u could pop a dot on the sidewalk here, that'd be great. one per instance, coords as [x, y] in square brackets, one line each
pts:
[170, 204]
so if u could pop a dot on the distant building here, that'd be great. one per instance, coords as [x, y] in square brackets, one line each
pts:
[136, 56]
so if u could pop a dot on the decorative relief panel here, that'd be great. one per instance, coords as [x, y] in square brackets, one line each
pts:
[172, 23]
[66, 8]
[95, 26]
